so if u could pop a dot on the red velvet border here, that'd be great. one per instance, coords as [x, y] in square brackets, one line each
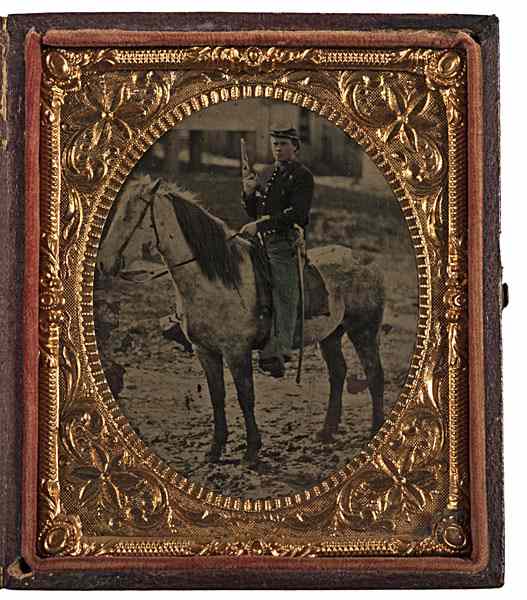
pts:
[30, 295]
[91, 38]
[382, 38]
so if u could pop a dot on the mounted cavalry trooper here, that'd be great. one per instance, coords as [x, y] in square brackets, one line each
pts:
[279, 201]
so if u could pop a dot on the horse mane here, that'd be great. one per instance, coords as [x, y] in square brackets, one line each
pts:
[207, 237]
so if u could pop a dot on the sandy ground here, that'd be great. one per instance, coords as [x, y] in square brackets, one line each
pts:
[165, 396]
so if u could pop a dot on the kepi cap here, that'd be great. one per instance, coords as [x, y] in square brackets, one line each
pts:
[289, 134]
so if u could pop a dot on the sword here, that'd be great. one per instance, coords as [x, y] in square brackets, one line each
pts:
[300, 267]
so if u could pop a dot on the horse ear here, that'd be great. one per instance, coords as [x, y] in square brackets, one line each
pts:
[155, 185]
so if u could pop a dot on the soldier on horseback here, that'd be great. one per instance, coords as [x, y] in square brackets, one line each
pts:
[279, 201]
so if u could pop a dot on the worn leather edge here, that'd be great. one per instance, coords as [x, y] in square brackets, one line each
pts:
[492, 302]
[4, 366]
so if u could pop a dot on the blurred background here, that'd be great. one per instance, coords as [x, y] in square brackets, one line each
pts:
[212, 138]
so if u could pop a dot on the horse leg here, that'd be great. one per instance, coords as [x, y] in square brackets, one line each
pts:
[332, 352]
[366, 344]
[242, 372]
[213, 366]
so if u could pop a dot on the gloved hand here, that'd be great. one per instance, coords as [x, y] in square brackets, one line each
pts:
[249, 228]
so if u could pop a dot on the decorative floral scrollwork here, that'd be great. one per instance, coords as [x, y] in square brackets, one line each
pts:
[432, 205]
[113, 108]
[362, 93]
[61, 534]
[80, 424]
[420, 440]
[392, 490]
[109, 484]
[63, 68]
[444, 69]
[113, 487]
[72, 223]
[455, 300]
[325, 81]
[70, 367]
[51, 300]
[252, 59]
[444, 72]
[404, 480]
[407, 115]
[404, 115]
[434, 375]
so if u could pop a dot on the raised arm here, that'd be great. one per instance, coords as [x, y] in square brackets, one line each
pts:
[250, 186]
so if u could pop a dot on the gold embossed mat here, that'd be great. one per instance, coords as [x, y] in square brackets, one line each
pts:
[124, 418]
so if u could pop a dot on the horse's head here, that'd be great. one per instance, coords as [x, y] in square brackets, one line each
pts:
[129, 227]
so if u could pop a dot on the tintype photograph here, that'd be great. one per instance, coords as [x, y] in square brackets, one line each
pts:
[254, 311]
[256, 298]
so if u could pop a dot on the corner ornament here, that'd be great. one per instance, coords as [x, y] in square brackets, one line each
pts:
[404, 116]
[63, 69]
[445, 72]
[115, 109]
[61, 534]
[452, 530]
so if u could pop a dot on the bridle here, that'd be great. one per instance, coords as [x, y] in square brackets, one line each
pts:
[149, 204]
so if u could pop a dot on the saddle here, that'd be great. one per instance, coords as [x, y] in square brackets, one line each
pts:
[316, 297]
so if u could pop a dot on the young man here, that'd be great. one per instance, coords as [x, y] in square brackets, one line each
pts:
[279, 201]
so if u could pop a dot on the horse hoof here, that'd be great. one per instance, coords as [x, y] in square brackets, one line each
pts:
[274, 366]
[214, 454]
[326, 437]
[250, 458]
[251, 454]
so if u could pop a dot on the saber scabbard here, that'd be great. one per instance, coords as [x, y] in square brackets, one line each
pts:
[300, 267]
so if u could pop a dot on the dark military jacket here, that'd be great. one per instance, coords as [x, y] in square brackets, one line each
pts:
[285, 192]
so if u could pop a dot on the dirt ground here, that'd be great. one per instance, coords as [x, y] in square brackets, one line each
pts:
[165, 396]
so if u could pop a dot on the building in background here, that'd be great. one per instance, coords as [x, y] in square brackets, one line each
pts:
[213, 136]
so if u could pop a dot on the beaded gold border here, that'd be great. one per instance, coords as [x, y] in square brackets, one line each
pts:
[111, 408]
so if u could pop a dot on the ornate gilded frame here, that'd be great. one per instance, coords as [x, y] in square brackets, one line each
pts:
[410, 493]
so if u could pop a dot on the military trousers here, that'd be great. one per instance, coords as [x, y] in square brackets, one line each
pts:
[282, 253]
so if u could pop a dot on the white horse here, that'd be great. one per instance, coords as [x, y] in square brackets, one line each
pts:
[213, 273]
